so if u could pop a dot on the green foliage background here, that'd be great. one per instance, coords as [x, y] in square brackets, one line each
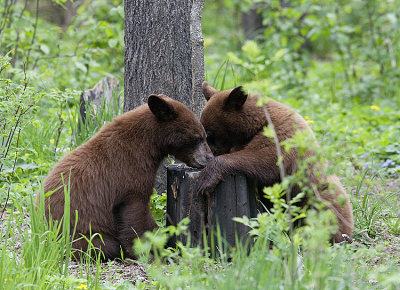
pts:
[335, 62]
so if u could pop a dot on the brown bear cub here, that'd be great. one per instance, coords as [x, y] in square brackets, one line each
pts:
[234, 127]
[112, 175]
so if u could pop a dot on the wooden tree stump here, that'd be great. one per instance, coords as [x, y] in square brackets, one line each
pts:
[235, 197]
[183, 201]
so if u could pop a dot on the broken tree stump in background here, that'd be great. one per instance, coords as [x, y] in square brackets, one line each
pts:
[103, 93]
[235, 197]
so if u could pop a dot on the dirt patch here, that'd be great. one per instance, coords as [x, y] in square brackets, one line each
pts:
[115, 272]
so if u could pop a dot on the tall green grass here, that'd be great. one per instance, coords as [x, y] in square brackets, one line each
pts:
[36, 252]
[43, 258]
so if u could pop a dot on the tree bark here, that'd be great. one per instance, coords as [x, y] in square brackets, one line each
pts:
[252, 22]
[163, 54]
[197, 59]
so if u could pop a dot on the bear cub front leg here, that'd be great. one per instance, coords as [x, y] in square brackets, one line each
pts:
[211, 175]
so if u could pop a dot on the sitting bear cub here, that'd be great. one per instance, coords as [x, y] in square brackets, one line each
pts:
[234, 127]
[112, 175]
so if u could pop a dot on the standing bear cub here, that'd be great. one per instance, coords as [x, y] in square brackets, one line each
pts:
[234, 127]
[112, 175]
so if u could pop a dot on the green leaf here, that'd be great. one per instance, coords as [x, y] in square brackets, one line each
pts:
[251, 48]
[279, 54]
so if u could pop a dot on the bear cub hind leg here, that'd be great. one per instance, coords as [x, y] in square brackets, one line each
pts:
[133, 219]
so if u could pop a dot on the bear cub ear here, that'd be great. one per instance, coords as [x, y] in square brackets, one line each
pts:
[236, 99]
[208, 90]
[161, 108]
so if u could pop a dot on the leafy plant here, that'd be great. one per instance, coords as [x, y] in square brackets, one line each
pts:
[158, 204]
[16, 105]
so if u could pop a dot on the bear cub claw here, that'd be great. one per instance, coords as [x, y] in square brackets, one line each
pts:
[209, 177]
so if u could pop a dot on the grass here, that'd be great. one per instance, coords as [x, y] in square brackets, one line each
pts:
[37, 253]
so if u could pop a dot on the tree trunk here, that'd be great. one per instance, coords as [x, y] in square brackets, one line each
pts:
[252, 22]
[163, 54]
[55, 13]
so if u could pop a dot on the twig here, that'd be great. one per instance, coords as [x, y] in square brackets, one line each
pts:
[6, 12]
[12, 175]
[25, 79]
[11, 135]
[15, 57]
[59, 129]
[23, 9]
[34, 33]
[10, 15]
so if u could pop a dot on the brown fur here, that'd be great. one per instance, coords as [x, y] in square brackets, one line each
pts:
[112, 174]
[234, 126]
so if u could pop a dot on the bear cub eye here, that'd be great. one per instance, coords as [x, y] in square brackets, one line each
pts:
[210, 137]
[198, 139]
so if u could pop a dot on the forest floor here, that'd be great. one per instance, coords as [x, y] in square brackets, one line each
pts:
[114, 272]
